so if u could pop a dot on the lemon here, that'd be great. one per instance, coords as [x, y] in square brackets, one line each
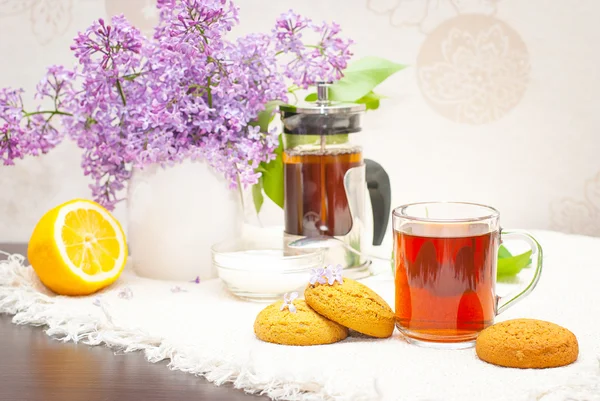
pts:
[77, 248]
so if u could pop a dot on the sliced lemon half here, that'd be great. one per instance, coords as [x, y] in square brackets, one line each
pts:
[77, 248]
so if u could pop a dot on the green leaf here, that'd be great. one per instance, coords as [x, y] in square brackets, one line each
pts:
[266, 116]
[257, 195]
[272, 176]
[512, 265]
[503, 252]
[361, 77]
[370, 100]
[272, 172]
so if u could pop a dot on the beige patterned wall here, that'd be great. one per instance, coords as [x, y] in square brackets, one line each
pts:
[499, 104]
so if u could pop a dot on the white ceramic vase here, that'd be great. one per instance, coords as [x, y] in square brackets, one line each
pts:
[175, 215]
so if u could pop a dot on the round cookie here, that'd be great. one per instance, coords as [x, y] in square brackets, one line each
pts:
[304, 327]
[353, 305]
[527, 343]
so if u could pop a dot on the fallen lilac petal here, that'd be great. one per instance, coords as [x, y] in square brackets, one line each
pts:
[125, 293]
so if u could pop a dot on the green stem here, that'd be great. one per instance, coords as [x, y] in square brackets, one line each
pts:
[120, 89]
[131, 77]
[57, 92]
[309, 46]
[60, 113]
[209, 93]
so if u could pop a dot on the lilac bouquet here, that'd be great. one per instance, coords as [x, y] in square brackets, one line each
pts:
[186, 93]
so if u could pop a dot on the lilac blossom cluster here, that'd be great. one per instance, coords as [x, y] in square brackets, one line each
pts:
[185, 93]
[327, 59]
[327, 275]
[33, 133]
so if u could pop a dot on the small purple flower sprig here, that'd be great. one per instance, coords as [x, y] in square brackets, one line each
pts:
[327, 275]
[288, 302]
[327, 59]
[33, 133]
[185, 93]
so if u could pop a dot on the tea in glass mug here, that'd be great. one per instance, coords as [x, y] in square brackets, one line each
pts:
[445, 258]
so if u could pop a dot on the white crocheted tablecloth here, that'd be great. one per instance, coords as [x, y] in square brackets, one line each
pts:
[206, 331]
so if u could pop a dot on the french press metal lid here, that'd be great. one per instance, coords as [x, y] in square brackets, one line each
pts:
[323, 116]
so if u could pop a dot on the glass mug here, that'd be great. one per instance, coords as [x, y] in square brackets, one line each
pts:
[445, 258]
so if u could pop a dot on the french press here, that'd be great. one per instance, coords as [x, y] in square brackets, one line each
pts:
[326, 180]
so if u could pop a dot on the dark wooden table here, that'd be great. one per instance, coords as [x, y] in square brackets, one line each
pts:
[34, 367]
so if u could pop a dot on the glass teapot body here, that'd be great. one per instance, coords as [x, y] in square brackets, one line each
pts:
[325, 186]
[325, 180]
[316, 192]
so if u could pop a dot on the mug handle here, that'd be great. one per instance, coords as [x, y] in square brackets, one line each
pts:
[505, 302]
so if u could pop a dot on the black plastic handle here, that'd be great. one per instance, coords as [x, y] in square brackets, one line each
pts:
[380, 192]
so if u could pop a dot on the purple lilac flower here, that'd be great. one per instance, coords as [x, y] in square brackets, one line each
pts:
[187, 92]
[10, 148]
[32, 134]
[110, 105]
[317, 276]
[11, 104]
[56, 87]
[333, 274]
[334, 51]
[288, 32]
[309, 64]
[288, 302]
[12, 136]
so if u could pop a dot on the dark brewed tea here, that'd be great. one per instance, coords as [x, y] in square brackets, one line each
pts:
[315, 197]
[445, 286]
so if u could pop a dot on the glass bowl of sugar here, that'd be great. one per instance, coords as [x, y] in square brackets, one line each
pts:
[257, 268]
